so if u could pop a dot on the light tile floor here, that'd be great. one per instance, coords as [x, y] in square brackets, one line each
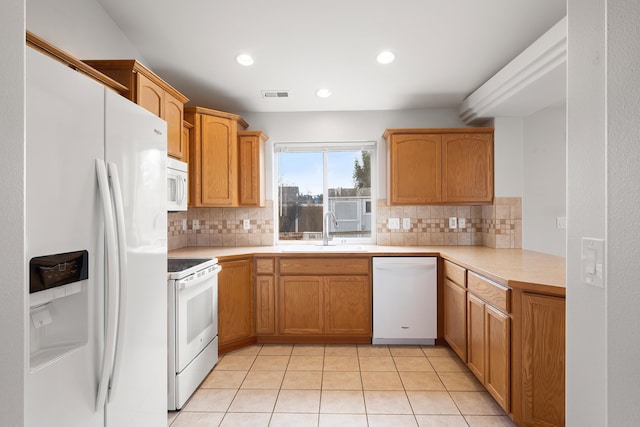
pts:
[340, 385]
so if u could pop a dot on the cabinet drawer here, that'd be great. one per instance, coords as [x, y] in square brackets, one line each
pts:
[325, 266]
[455, 273]
[265, 266]
[493, 293]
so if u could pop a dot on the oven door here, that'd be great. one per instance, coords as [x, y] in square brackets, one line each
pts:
[196, 316]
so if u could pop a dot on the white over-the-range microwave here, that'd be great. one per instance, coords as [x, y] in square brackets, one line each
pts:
[177, 187]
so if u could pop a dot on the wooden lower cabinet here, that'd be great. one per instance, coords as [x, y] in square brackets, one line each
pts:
[455, 318]
[489, 348]
[543, 360]
[265, 291]
[301, 305]
[314, 300]
[498, 355]
[265, 305]
[235, 305]
[475, 336]
[348, 304]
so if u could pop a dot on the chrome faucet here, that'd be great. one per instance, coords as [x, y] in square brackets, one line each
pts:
[325, 234]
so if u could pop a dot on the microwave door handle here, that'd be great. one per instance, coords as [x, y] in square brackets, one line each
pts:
[183, 189]
[179, 189]
[110, 287]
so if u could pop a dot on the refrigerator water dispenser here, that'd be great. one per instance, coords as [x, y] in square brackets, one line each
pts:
[58, 307]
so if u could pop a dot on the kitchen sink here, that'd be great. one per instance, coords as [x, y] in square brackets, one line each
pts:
[323, 248]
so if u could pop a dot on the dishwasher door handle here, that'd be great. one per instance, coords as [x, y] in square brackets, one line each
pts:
[404, 266]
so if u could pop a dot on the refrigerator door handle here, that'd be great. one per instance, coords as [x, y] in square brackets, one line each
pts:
[110, 285]
[122, 273]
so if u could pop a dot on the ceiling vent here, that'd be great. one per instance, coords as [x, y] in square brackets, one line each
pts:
[275, 93]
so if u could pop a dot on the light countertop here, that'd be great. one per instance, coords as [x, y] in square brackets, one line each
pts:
[516, 268]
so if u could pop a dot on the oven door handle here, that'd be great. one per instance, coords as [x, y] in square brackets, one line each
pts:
[191, 284]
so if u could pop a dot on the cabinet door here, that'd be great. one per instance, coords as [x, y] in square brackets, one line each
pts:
[173, 112]
[475, 336]
[543, 360]
[218, 161]
[467, 168]
[150, 96]
[265, 305]
[455, 318]
[414, 169]
[347, 305]
[235, 301]
[301, 305]
[498, 355]
[251, 168]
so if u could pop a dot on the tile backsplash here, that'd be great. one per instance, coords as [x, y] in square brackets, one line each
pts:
[496, 226]
[221, 227]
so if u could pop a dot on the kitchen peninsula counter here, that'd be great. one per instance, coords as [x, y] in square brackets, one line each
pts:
[516, 268]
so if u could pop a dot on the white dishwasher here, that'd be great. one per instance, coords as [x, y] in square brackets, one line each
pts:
[405, 300]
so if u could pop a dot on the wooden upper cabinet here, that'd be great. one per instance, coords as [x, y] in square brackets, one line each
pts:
[150, 96]
[440, 166]
[213, 157]
[467, 168]
[414, 172]
[251, 185]
[186, 132]
[148, 90]
[173, 115]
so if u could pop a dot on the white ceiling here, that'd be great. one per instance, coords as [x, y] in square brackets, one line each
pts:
[444, 49]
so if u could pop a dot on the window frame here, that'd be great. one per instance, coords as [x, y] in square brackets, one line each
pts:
[324, 148]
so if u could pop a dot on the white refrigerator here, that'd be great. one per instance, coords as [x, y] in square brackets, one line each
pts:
[96, 254]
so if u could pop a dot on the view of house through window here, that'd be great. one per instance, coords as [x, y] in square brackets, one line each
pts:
[318, 180]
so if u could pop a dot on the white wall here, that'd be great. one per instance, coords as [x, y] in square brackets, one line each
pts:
[603, 106]
[343, 126]
[80, 27]
[544, 181]
[12, 290]
[623, 205]
[507, 146]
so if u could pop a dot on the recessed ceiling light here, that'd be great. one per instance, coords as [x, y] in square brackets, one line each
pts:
[323, 93]
[244, 59]
[385, 57]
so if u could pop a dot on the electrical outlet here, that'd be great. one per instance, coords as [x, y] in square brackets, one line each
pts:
[406, 223]
[393, 223]
[462, 223]
[245, 224]
[561, 222]
[453, 222]
[195, 224]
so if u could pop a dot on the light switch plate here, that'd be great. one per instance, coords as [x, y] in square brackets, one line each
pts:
[393, 223]
[453, 222]
[462, 222]
[245, 224]
[406, 223]
[561, 222]
[593, 262]
[184, 224]
[195, 224]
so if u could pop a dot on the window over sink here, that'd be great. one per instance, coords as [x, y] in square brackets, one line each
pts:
[316, 179]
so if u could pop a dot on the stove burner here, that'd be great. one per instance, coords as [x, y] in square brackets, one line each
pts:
[181, 264]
